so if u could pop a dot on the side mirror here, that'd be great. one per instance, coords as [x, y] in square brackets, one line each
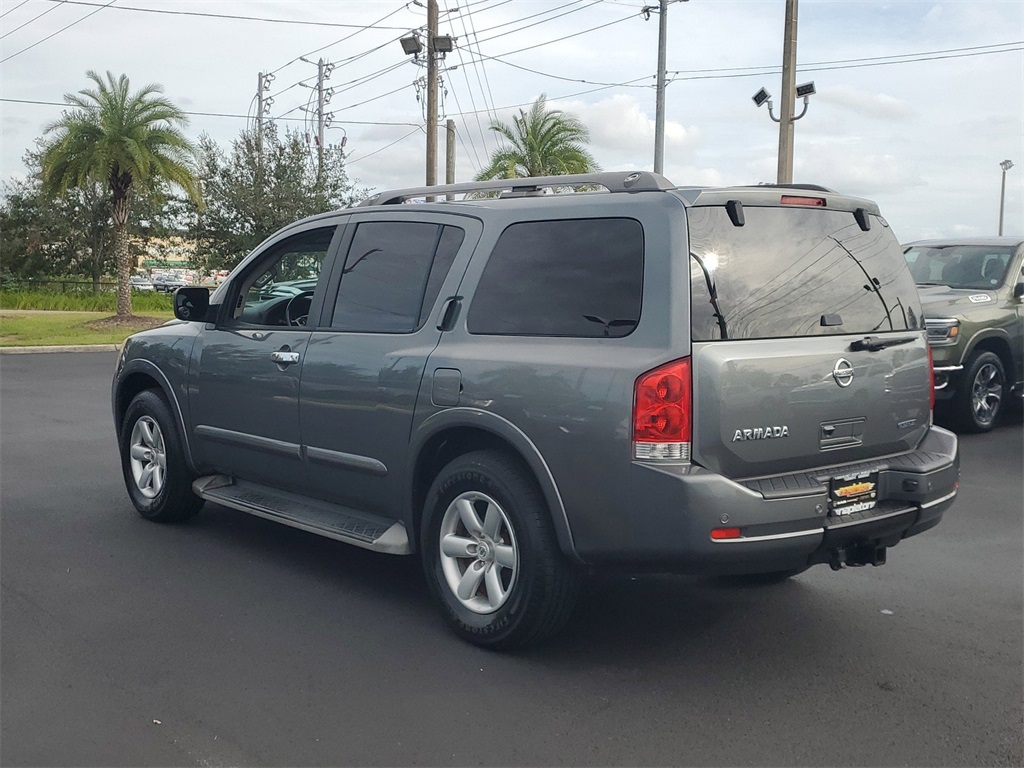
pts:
[191, 303]
[1018, 290]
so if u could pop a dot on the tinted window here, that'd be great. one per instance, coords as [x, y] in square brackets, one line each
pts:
[960, 266]
[290, 270]
[447, 247]
[581, 277]
[386, 275]
[796, 272]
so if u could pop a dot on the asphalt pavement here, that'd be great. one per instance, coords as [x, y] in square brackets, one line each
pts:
[231, 640]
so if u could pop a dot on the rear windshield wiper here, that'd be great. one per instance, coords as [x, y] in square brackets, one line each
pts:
[713, 294]
[875, 343]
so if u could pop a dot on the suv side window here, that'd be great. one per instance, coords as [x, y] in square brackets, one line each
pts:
[279, 290]
[573, 277]
[392, 275]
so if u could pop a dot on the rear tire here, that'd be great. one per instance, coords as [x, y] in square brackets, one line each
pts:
[156, 475]
[979, 400]
[491, 556]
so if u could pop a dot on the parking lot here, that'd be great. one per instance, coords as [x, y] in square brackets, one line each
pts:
[234, 641]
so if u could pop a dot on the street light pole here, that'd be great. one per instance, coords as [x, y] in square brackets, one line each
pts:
[1005, 165]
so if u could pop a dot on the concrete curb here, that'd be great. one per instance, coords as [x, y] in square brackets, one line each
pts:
[68, 348]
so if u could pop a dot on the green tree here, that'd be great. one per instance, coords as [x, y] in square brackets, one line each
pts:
[541, 142]
[260, 187]
[46, 235]
[125, 141]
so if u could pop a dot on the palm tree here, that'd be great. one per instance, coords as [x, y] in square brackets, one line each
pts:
[122, 140]
[541, 142]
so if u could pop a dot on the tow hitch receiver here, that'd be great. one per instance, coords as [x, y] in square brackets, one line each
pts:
[856, 556]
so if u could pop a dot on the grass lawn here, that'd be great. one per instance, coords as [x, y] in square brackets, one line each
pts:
[65, 328]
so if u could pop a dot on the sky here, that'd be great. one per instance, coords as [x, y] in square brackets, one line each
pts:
[917, 103]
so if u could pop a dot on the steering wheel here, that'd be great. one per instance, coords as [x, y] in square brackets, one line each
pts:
[298, 319]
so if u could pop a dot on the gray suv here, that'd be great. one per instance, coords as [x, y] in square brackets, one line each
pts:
[520, 386]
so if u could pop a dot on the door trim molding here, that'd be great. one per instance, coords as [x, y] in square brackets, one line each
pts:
[265, 444]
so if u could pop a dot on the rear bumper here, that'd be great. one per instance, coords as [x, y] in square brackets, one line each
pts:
[784, 521]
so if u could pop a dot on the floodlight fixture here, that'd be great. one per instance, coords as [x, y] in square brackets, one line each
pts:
[411, 44]
[762, 97]
[805, 90]
[1006, 165]
[444, 43]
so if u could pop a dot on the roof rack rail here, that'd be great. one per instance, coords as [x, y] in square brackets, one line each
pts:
[613, 181]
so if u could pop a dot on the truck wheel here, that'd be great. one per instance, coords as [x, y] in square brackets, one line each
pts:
[153, 463]
[978, 400]
[490, 554]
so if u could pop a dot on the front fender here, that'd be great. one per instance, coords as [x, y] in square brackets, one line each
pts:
[138, 373]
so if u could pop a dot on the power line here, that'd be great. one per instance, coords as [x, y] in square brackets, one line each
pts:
[386, 146]
[37, 16]
[11, 10]
[54, 34]
[472, 100]
[347, 37]
[861, 59]
[483, 68]
[554, 77]
[556, 40]
[541, 13]
[812, 68]
[225, 16]
[215, 114]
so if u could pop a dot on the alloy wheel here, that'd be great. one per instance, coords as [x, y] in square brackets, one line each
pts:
[479, 552]
[148, 457]
[986, 393]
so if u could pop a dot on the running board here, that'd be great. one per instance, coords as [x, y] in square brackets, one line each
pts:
[319, 517]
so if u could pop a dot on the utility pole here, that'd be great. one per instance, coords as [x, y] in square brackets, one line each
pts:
[659, 120]
[259, 117]
[785, 174]
[320, 121]
[449, 155]
[431, 94]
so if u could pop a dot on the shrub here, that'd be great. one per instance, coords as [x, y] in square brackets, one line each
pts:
[142, 303]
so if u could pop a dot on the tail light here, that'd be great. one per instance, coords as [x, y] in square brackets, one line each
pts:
[662, 413]
[931, 380]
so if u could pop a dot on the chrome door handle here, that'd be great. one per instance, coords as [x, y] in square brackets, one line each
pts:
[284, 358]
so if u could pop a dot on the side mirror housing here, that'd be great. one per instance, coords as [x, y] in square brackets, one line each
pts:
[192, 303]
[1018, 290]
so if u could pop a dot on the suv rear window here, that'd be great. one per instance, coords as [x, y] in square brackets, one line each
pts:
[572, 277]
[796, 272]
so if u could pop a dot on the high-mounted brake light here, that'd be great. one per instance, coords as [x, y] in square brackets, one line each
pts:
[662, 413]
[813, 202]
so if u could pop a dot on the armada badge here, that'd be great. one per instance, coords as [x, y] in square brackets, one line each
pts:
[760, 433]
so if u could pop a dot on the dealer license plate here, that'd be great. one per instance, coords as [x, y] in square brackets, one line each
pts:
[853, 493]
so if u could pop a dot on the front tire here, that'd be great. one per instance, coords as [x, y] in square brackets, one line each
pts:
[979, 400]
[153, 462]
[491, 556]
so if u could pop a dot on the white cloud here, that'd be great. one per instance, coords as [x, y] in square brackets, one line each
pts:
[874, 106]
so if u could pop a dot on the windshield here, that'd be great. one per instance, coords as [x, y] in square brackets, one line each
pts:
[960, 266]
[792, 272]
